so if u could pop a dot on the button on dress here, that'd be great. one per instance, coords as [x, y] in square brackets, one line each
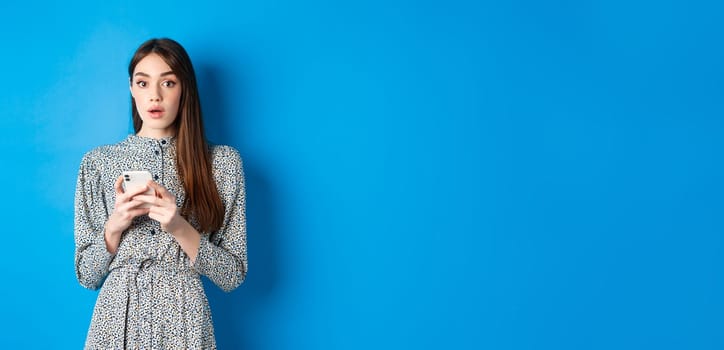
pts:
[151, 295]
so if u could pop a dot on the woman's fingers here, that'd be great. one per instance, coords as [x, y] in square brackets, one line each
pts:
[160, 190]
[162, 197]
[164, 215]
[144, 198]
[127, 207]
[129, 195]
[163, 207]
[118, 186]
[136, 191]
[138, 212]
[130, 205]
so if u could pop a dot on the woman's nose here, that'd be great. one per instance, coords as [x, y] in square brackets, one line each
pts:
[155, 95]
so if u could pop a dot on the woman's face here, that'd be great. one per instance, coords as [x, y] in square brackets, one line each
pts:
[157, 92]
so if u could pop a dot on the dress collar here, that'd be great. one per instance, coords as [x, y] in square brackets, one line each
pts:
[167, 141]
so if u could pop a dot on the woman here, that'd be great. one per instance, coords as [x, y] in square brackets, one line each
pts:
[146, 252]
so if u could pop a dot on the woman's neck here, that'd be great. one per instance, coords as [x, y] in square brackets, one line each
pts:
[156, 133]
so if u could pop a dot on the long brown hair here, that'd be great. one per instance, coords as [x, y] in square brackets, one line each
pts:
[193, 161]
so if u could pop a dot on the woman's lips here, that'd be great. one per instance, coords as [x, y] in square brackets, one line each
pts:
[155, 112]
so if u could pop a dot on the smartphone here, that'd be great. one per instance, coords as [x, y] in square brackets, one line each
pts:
[135, 179]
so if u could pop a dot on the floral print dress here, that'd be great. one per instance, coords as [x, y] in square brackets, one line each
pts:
[151, 295]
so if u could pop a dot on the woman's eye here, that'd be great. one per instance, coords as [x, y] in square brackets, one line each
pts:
[141, 83]
[169, 83]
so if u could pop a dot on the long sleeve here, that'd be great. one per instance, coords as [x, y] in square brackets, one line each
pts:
[91, 256]
[222, 255]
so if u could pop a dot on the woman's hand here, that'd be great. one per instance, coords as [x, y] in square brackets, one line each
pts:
[125, 209]
[164, 210]
[163, 207]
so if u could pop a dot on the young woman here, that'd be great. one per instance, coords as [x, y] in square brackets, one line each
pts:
[146, 252]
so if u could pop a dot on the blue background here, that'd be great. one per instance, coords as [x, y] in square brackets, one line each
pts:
[421, 174]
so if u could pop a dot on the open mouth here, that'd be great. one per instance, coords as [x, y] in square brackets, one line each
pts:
[155, 111]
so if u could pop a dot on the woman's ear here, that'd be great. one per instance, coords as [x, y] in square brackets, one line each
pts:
[130, 86]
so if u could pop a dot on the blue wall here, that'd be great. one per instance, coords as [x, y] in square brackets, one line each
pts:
[422, 175]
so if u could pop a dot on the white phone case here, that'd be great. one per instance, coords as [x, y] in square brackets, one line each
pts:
[135, 179]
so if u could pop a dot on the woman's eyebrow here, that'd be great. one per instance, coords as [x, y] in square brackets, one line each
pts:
[148, 76]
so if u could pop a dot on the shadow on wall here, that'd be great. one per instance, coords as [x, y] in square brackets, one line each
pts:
[236, 312]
